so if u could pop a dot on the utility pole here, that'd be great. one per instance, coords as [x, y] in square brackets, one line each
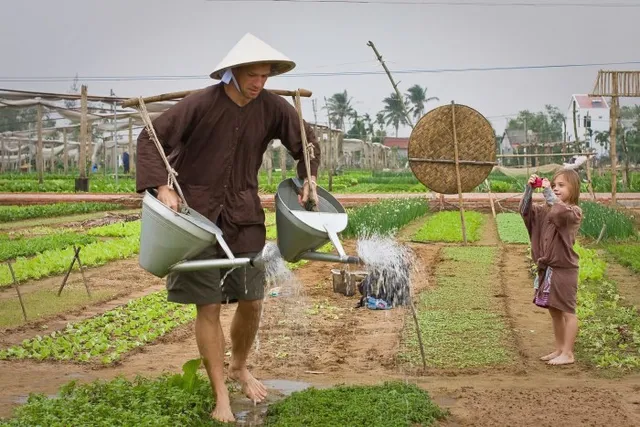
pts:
[40, 148]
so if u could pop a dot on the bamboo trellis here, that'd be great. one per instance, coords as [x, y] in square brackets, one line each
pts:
[616, 84]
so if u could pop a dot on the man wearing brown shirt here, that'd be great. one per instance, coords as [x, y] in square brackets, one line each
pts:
[215, 139]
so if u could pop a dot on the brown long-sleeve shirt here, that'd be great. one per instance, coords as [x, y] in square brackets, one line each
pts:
[216, 147]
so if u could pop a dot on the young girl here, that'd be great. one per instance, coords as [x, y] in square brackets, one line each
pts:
[552, 228]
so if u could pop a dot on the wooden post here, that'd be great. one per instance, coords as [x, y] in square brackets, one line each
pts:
[2, 150]
[82, 160]
[15, 284]
[132, 163]
[589, 182]
[330, 143]
[19, 155]
[575, 127]
[52, 163]
[455, 152]
[493, 208]
[65, 151]
[614, 125]
[39, 148]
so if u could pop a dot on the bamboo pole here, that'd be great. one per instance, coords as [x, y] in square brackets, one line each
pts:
[393, 83]
[134, 102]
[459, 182]
[614, 125]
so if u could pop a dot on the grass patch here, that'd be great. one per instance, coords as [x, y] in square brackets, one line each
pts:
[392, 404]
[169, 400]
[619, 225]
[45, 302]
[446, 227]
[511, 228]
[460, 325]
[627, 255]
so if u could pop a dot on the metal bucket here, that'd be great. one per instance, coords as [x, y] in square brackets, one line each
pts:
[168, 237]
[301, 232]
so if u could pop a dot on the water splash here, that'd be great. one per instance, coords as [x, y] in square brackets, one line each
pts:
[389, 265]
[277, 273]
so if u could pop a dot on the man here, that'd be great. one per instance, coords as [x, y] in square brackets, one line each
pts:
[215, 139]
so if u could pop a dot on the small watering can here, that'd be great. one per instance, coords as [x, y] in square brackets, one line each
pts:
[169, 238]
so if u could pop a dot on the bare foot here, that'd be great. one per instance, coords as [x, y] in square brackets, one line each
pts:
[223, 413]
[563, 359]
[551, 355]
[251, 387]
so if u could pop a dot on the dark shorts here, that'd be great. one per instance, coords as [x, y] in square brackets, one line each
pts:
[203, 287]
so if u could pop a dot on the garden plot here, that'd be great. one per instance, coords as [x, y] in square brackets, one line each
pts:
[318, 337]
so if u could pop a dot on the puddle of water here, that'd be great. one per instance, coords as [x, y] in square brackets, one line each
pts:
[286, 387]
[249, 414]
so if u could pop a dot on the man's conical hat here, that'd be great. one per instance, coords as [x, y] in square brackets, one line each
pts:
[252, 50]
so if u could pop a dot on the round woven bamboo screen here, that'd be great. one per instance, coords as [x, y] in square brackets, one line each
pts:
[432, 154]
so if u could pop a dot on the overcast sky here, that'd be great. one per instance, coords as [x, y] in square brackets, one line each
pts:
[126, 38]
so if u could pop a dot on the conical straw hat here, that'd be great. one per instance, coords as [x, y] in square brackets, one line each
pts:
[252, 50]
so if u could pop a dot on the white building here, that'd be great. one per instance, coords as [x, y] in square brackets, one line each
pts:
[592, 116]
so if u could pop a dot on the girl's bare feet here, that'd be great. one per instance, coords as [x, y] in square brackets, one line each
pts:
[551, 355]
[562, 359]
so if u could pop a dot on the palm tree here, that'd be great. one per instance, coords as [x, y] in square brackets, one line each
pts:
[394, 111]
[602, 138]
[339, 106]
[368, 124]
[417, 95]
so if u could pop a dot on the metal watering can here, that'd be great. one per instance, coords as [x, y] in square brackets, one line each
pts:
[169, 238]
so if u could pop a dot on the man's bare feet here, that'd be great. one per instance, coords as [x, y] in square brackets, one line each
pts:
[222, 412]
[251, 387]
[562, 359]
[551, 355]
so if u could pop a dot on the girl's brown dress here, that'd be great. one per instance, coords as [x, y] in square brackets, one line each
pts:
[552, 228]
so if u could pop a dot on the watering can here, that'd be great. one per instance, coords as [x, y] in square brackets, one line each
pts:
[169, 238]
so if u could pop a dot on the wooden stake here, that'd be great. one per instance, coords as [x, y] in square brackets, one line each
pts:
[455, 151]
[76, 256]
[15, 284]
[493, 208]
[418, 333]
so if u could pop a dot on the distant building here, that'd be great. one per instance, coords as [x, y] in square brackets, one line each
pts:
[401, 143]
[592, 116]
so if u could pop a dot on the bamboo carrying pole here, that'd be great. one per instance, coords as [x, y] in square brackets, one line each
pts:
[134, 102]
[308, 154]
[457, 160]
